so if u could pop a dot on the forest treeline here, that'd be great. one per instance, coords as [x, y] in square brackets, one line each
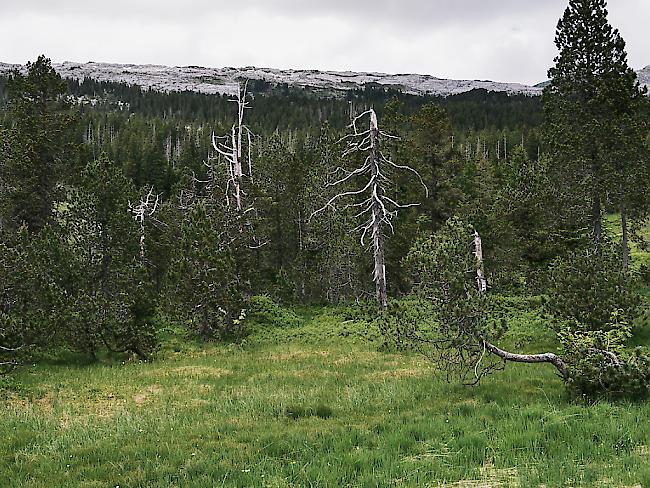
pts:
[144, 204]
[173, 125]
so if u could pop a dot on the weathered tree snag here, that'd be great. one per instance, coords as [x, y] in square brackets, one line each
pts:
[147, 208]
[480, 273]
[378, 211]
[232, 150]
[377, 206]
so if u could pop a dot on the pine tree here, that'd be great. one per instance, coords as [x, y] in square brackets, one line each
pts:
[39, 151]
[593, 97]
[109, 296]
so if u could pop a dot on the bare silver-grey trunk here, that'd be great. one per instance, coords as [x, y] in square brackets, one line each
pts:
[378, 215]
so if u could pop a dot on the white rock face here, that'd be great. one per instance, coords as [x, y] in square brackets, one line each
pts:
[225, 80]
[644, 76]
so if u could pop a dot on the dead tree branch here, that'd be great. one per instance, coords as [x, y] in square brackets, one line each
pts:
[548, 357]
[144, 210]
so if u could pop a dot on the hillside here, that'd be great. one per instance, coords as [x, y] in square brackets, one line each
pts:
[212, 81]
[225, 80]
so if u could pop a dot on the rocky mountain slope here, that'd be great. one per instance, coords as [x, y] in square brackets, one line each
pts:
[225, 80]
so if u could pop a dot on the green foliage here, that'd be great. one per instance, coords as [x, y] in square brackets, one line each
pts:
[296, 412]
[405, 321]
[111, 303]
[205, 285]
[330, 325]
[445, 270]
[601, 365]
[298, 109]
[39, 149]
[74, 276]
[79, 282]
[524, 322]
[588, 291]
[521, 223]
[644, 274]
[596, 304]
[218, 412]
[594, 127]
[588, 286]
[265, 312]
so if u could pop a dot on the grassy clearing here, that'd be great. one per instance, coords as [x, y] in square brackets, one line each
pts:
[312, 405]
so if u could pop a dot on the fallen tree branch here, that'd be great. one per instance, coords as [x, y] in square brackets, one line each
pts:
[548, 357]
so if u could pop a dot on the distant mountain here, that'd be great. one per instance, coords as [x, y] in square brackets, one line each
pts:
[332, 83]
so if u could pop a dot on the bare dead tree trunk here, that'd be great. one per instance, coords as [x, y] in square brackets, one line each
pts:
[377, 204]
[377, 215]
[231, 147]
[147, 208]
[481, 282]
[236, 167]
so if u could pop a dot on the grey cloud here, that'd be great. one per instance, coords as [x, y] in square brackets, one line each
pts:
[408, 13]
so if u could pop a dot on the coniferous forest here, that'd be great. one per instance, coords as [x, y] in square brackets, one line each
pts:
[426, 243]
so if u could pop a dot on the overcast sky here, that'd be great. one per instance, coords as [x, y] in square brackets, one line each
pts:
[501, 40]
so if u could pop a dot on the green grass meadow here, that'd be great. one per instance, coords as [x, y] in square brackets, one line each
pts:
[316, 404]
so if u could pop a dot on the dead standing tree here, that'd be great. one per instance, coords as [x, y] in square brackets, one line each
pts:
[378, 208]
[231, 147]
[144, 210]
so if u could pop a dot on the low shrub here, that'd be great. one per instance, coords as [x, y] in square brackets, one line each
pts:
[265, 312]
